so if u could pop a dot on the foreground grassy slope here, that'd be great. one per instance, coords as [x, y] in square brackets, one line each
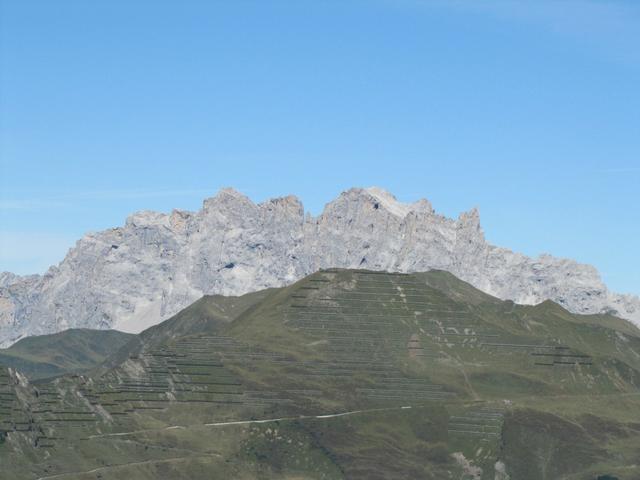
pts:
[345, 374]
[71, 351]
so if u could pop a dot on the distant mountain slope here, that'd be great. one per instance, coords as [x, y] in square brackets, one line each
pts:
[71, 351]
[209, 315]
[131, 277]
[345, 374]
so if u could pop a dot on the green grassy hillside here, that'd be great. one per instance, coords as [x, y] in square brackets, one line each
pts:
[71, 351]
[345, 374]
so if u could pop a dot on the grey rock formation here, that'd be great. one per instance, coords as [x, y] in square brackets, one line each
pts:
[132, 277]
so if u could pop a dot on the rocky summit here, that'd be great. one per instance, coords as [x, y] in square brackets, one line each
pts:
[131, 277]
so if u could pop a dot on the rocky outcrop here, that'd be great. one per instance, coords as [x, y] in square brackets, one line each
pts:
[134, 276]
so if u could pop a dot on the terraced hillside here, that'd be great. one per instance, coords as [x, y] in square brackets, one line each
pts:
[345, 374]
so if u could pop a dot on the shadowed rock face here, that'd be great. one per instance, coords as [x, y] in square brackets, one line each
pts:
[134, 276]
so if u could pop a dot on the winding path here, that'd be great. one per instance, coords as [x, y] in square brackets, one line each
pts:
[247, 422]
[216, 424]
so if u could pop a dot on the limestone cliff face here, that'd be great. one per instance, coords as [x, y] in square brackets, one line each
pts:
[132, 277]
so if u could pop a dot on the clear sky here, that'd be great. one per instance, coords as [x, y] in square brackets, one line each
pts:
[529, 110]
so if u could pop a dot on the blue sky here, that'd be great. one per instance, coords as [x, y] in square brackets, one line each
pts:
[528, 110]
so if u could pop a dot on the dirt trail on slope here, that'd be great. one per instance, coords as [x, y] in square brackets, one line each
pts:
[146, 462]
[249, 422]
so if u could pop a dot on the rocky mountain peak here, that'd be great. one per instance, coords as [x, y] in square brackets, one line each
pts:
[380, 199]
[470, 221]
[290, 203]
[136, 275]
[146, 218]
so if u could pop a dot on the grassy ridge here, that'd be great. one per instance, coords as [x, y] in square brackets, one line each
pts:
[345, 374]
[71, 351]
